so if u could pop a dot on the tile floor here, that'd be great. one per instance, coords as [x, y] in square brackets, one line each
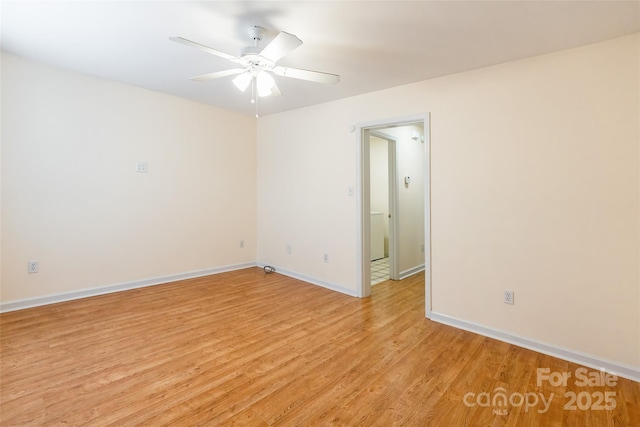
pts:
[379, 271]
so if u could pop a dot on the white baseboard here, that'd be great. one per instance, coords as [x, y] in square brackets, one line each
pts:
[313, 281]
[621, 370]
[84, 293]
[411, 271]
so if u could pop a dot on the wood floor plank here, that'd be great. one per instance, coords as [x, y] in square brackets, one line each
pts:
[249, 348]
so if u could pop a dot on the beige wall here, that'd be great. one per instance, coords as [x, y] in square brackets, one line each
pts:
[72, 200]
[534, 187]
[307, 162]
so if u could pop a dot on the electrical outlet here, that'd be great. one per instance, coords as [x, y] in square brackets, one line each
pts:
[142, 167]
[326, 258]
[508, 296]
[289, 249]
[32, 267]
[241, 243]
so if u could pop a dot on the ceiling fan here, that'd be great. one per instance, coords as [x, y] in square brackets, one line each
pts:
[256, 64]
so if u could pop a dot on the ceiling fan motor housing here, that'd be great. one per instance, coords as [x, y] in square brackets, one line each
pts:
[256, 32]
[251, 54]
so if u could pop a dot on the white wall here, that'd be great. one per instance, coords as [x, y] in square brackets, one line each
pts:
[71, 198]
[534, 187]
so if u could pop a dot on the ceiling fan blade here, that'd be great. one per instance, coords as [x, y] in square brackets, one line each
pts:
[218, 74]
[202, 47]
[281, 45]
[312, 76]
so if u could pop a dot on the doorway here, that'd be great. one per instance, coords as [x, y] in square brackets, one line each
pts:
[415, 246]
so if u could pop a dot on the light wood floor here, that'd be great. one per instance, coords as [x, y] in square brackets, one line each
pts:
[247, 348]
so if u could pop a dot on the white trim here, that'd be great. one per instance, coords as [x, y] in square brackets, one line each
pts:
[410, 272]
[362, 272]
[394, 208]
[591, 361]
[313, 281]
[84, 293]
[427, 215]
[363, 222]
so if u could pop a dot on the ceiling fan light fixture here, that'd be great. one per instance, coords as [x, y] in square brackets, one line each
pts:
[242, 81]
[265, 83]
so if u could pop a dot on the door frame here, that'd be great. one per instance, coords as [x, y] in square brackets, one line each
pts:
[363, 202]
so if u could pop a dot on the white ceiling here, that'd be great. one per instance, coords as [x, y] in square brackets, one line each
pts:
[372, 45]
